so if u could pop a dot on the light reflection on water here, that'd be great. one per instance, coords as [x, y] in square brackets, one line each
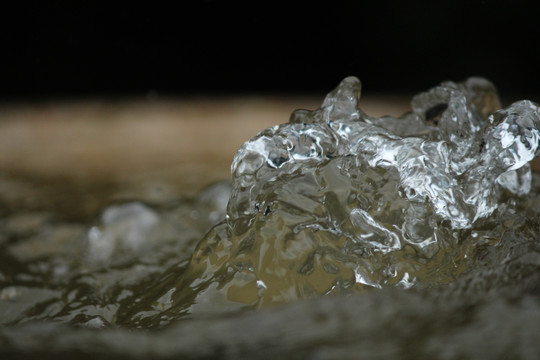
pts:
[130, 268]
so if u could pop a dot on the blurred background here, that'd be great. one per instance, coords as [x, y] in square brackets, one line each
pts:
[101, 100]
[87, 48]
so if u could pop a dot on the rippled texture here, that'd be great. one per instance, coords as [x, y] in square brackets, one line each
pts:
[337, 201]
[333, 202]
[440, 202]
[92, 275]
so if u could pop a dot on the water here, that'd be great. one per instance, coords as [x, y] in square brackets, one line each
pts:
[335, 223]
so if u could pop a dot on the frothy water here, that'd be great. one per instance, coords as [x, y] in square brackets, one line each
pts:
[334, 202]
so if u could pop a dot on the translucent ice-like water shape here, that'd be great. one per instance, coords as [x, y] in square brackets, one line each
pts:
[440, 201]
[337, 201]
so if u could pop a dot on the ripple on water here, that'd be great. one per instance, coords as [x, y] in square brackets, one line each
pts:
[333, 202]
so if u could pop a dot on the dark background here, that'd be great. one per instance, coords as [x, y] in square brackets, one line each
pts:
[55, 49]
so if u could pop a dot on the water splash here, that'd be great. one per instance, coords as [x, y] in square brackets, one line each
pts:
[336, 201]
[332, 202]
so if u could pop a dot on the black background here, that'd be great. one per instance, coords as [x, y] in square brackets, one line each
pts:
[56, 49]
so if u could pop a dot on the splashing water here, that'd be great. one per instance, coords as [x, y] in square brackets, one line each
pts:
[336, 201]
[332, 202]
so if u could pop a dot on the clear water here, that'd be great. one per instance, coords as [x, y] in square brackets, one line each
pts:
[437, 206]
